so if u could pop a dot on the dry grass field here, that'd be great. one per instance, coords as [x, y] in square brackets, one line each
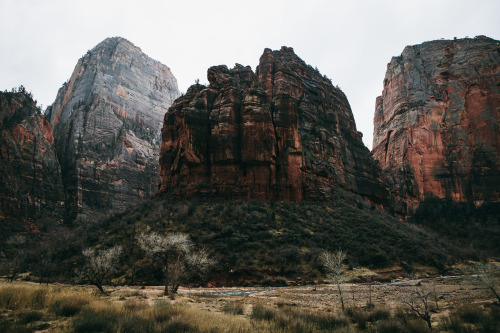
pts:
[454, 304]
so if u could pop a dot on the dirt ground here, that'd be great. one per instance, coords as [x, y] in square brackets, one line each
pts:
[449, 292]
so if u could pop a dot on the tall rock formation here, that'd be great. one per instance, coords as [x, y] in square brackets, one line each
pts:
[107, 120]
[436, 123]
[30, 178]
[282, 133]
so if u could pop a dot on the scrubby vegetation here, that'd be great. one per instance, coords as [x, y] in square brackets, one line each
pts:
[30, 308]
[259, 242]
[472, 318]
[476, 228]
[265, 243]
[291, 319]
[27, 308]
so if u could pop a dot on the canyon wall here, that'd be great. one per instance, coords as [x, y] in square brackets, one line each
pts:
[30, 177]
[436, 124]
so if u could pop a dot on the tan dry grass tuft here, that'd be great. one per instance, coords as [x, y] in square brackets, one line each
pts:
[118, 317]
[291, 319]
[68, 303]
[16, 296]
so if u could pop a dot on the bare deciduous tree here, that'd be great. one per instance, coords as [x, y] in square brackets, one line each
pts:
[99, 265]
[334, 266]
[370, 291]
[420, 301]
[175, 252]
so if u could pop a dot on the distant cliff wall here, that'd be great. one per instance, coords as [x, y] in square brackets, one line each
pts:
[30, 177]
[107, 120]
[436, 126]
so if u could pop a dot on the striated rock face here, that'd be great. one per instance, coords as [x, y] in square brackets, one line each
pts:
[282, 133]
[107, 121]
[436, 123]
[30, 178]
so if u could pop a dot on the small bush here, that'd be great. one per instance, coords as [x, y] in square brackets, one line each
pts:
[233, 308]
[358, 316]
[133, 324]
[470, 313]
[164, 312]
[362, 317]
[452, 324]
[16, 297]
[325, 320]
[178, 324]
[38, 297]
[263, 312]
[472, 318]
[134, 305]
[68, 305]
[30, 316]
[297, 320]
[90, 320]
[415, 326]
[379, 314]
[390, 326]
[10, 327]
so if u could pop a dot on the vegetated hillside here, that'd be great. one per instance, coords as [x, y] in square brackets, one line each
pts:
[473, 227]
[252, 240]
[258, 242]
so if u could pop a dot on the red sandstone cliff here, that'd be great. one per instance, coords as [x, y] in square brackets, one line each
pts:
[30, 178]
[436, 123]
[282, 133]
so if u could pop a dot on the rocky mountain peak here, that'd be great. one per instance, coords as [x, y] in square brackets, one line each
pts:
[281, 133]
[107, 119]
[113, 42]
[111, 69]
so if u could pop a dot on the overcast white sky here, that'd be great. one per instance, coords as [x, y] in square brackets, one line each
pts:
[349, 41]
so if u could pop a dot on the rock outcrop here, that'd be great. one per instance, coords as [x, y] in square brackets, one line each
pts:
[107, 120]
[436, 123]
[30, 178]
[282, 133]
